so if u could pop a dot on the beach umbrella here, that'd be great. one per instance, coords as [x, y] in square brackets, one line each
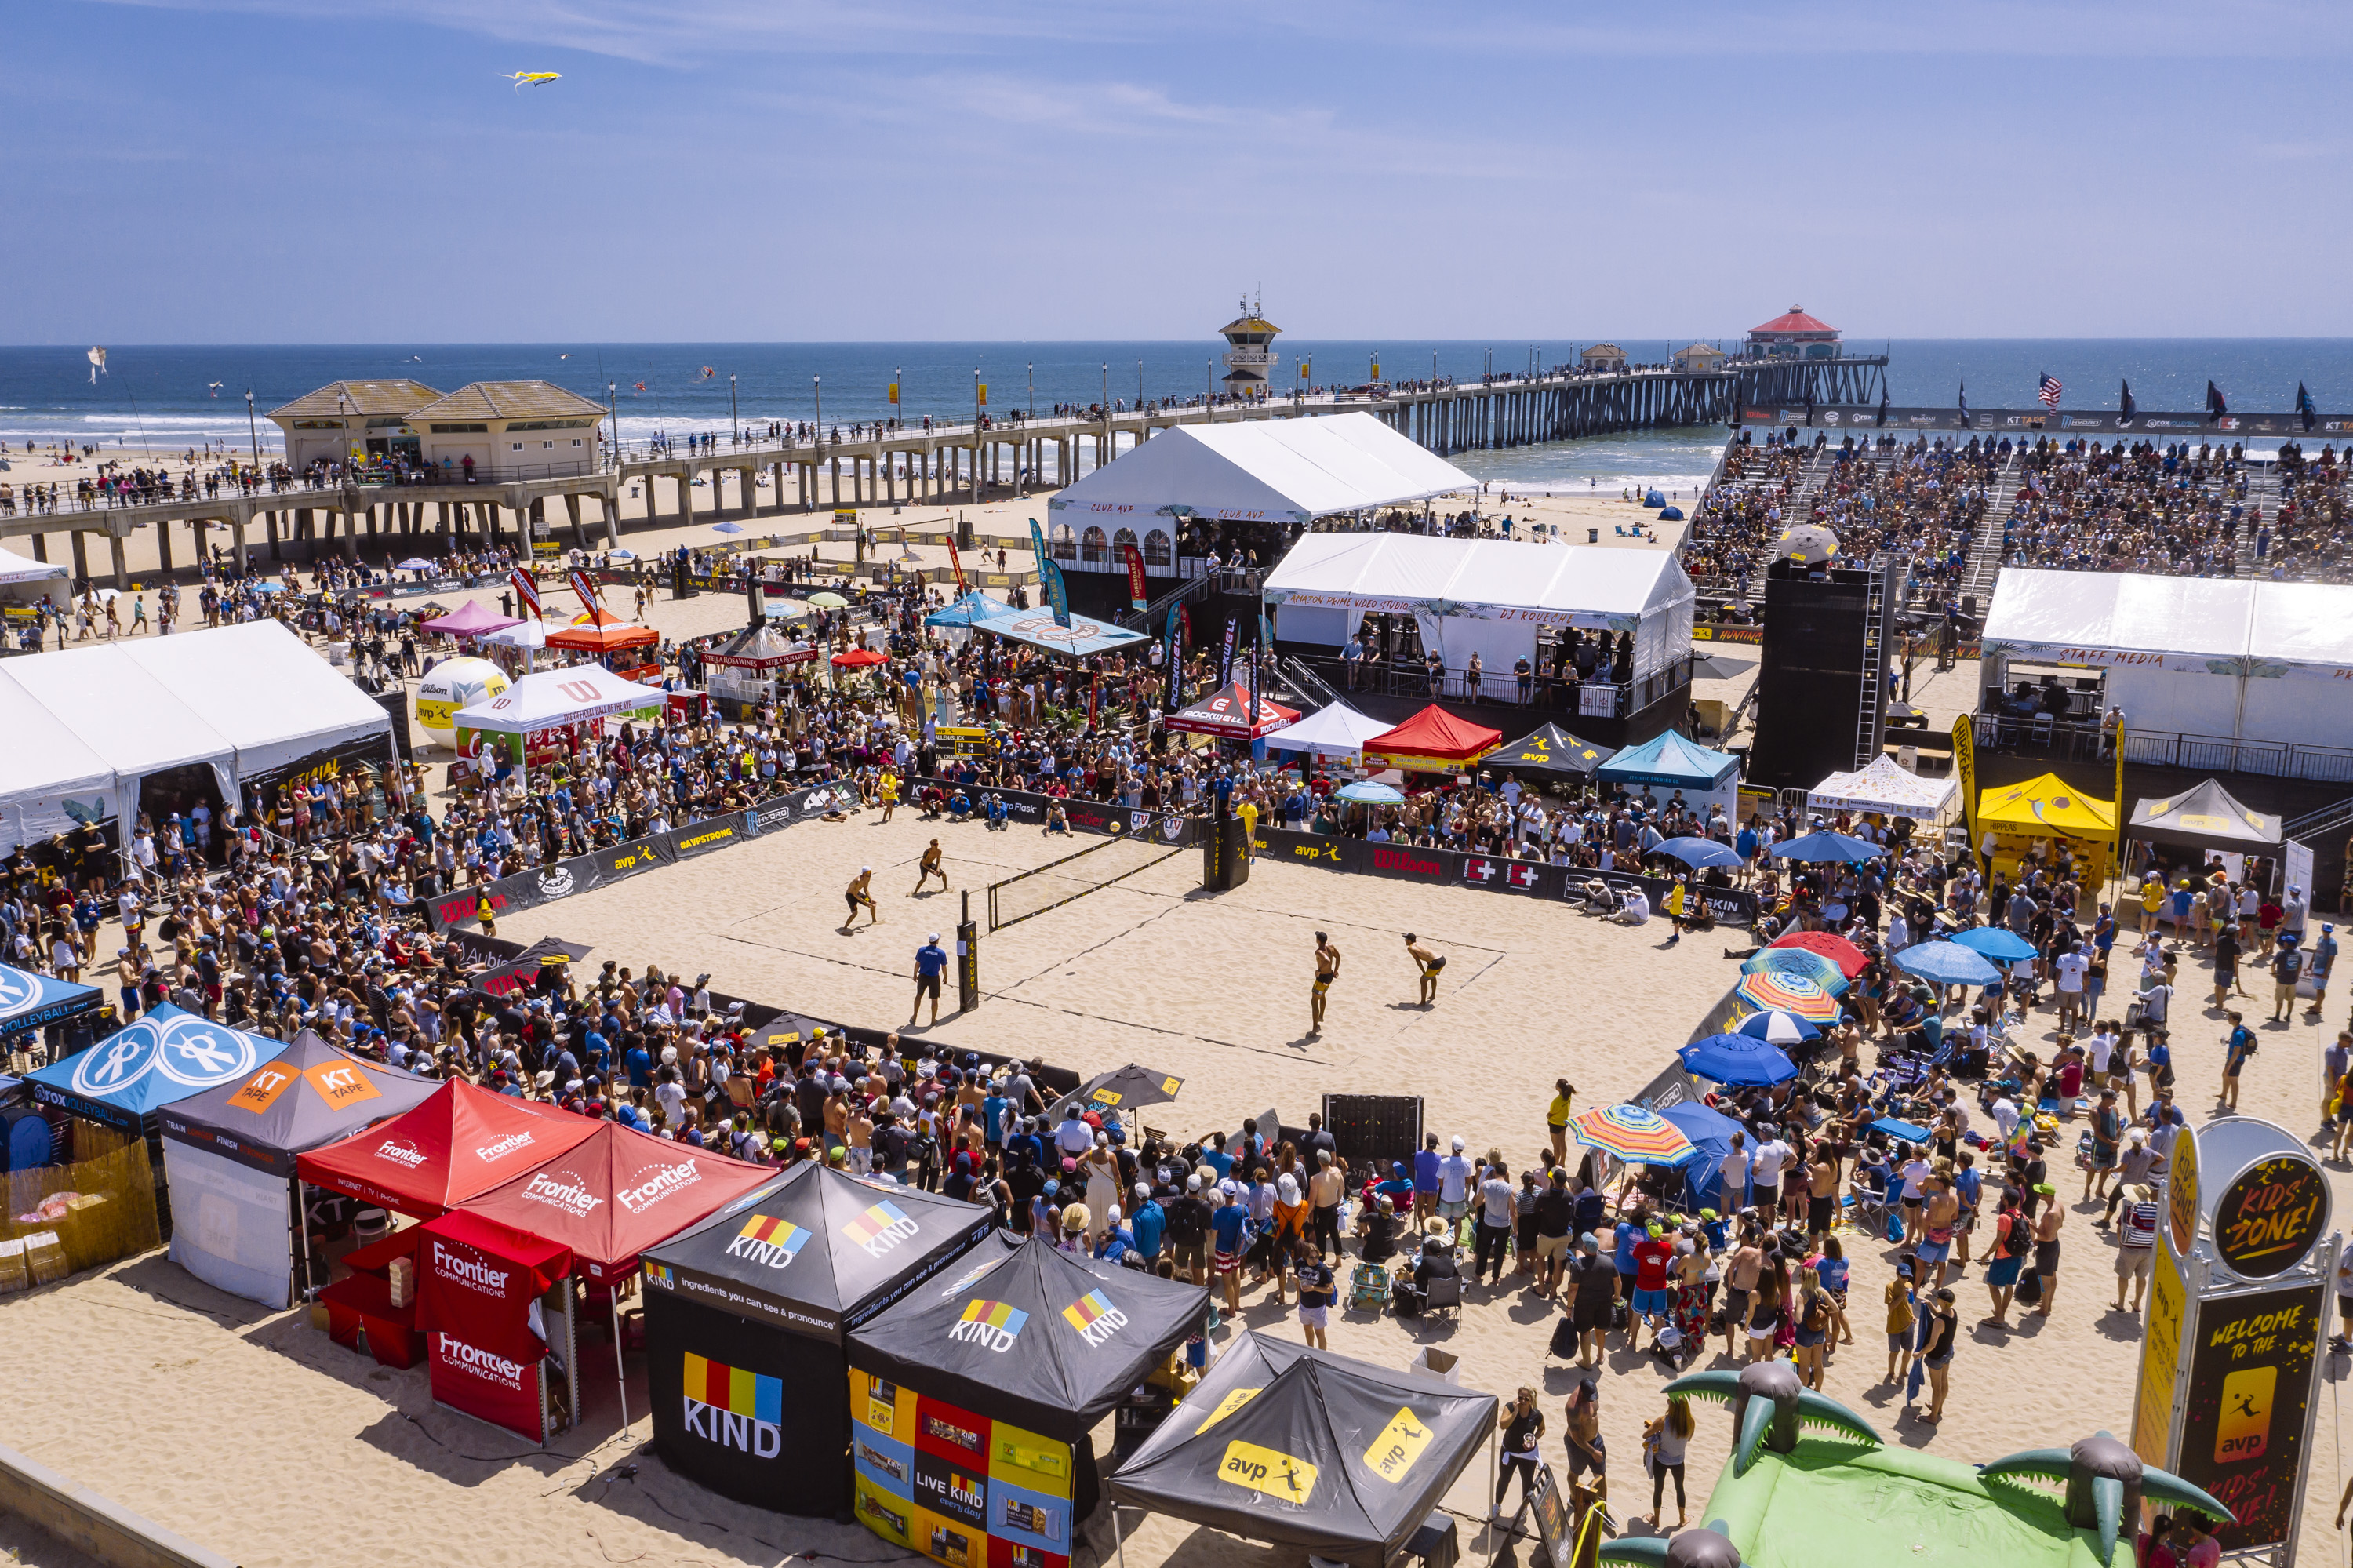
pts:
[1699, 853]
[1826, 846]
[1122, 1089]
[1370, 792]
[1780, 1028]
[1807, 544]
[1995, 942]
[829, 600]
[727, 527]
[1797, 961]
[621, 555]
[1849, 958]
[858, 659]
[1741, 1061]
[1632, 1132]
[415, 564]
[1947, 963]
[1788, 993]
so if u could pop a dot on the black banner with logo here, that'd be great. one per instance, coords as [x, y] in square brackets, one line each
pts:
[1439, 867]
[785, 810]
[2251, 1380]
[702, 837]
[327, 762]
[1170, 828]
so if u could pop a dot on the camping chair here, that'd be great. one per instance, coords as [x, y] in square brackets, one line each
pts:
[1445, 1291]
[1369, 1288]
[1866, 1209]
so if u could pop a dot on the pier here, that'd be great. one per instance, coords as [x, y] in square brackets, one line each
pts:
[991, 456]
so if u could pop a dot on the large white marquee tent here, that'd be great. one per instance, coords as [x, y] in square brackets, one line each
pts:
[2229, 657]
[1265, 471]
[1489, 596]
[87, 727]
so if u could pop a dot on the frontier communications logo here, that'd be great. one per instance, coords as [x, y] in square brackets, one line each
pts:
[488, 1365]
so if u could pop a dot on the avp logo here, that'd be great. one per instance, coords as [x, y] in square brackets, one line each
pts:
[992, 1325]
[1269, 1472]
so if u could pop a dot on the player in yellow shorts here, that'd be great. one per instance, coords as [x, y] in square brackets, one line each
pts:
[1430, 964]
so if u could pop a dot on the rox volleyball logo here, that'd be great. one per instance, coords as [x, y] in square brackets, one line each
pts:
[469, 1271]
[992, 1325]
[880, 1228]
[488, 1365]
[1095, 1318]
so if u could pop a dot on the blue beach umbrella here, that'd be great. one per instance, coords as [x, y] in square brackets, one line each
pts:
[1739, 1060]
[727, 527]
[1698, 853]
[1995, 942]
[1776, 1027]
[1827, 846]
[1947, 963]
[1798, 961]
[1369, 793]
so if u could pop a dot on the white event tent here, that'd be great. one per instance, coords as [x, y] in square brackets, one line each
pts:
[2231, 658]
[1889, 789]
[1265, 471]
[24, 580]
[552, 699]
[88, 726]
[1334, 730]
[1489, 596]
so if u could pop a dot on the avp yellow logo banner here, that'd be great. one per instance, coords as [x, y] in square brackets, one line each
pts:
[1399, 1446]
[1269, 1472]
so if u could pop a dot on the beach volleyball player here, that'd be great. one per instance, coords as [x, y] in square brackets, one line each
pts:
[1430, 964]
[1327, 970]
[860, 892]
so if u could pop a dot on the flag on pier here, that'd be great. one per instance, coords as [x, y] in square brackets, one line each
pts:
[2215, 407]
[2049, 390]
[2303, 408]
[2126, 409]
[1965, 402]
[526, 588]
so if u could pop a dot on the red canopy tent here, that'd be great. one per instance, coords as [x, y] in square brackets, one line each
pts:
[602, 631]
[1432, 741]
[614, 1195]
[476, 1281]
[458, 1145]
[1226, 715]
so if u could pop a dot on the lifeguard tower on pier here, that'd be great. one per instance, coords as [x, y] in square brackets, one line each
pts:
[1250, 354]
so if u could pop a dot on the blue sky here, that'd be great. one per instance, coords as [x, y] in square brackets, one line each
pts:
[289, 171]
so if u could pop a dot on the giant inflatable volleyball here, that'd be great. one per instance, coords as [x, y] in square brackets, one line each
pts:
[452, 685]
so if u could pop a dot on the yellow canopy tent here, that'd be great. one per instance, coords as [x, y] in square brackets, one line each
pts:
[2033, 814]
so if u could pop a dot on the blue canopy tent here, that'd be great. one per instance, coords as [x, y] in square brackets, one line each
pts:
[970, 610]
[160, 1060]
[1710, 1132]
[32, 1001]
[1668, 761]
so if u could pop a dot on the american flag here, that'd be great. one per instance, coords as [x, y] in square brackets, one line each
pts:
[2050, 392]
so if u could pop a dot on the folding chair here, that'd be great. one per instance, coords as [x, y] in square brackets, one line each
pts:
[1369, 1288]
[1445, 1293]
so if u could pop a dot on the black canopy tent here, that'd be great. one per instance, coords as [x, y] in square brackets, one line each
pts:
[522, 970]
[747, 1315]
[2205, 818]
[1550, 752]
[1302, 1448]
[1122, 1089]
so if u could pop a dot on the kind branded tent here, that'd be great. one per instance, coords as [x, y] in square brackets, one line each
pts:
[458, 1143]
[2205, 818]
[1334, 730]
[973, 1404]
[1226, 715]
[1888, 789]
[28, 1001]
[614, 1195]
[1431, 741]
[229, 1156]
[1310, 1451]
[747, 1315]
[162, 1058]
[1549, 752]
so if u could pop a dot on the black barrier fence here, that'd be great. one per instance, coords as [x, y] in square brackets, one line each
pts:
[1441, 867]
[2161, 426]
[1170, 828]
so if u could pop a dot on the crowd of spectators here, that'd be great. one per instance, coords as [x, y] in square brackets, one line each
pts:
[2171, 510]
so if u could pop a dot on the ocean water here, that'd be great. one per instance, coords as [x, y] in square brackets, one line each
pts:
[187, 394]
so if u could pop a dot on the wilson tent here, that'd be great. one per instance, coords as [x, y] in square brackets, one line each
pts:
[747, 1318]
[539, 704]
[229, 1159]
[1431, 741]
[1307, 1450]
[1024, 1355]
[2206, 817]
[457, 1143]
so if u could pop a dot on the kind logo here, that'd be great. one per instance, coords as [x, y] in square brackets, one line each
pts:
[991, 1324]
[880, 1228]
[1094, 1316]
[734, 1408]
[769, 1241]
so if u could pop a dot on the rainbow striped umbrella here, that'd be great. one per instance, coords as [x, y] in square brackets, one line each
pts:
[1822, 971]
[1634, 1133]
[1778, 992]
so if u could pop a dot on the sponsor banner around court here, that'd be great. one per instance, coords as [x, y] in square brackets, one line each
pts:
[1496, 874]
[2164, 424]
[1085, 815]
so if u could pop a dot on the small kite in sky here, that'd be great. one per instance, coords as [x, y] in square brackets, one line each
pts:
[641, 389]
[708, 373]
[563, 357]
[215, 386]
[415, 359]
[96, 363]
[523, 79]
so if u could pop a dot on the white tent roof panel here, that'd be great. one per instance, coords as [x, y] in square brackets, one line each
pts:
[1334, 730]
[259, 686]
[121, 711]
[2188, 625]
[553, 697]
[1588, 586]
[43, 765]
[1272, 469]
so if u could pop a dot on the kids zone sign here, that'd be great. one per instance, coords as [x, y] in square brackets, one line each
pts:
[953, 1485]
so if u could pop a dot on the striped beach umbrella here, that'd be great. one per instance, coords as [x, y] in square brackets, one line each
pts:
[1633, 1133]
[1822, 971]
[1779, 992]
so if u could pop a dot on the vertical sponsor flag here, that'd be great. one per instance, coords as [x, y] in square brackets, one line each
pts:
[582, 586]
[1258, 648]
[894, 393]
[526, 588]
[2116, 866]
[1965, 402]
[2303, 408]
[2216, 405]
[2126, 409]
[1135, 590]
[2048, 390]
[1964, 768]
[955, 564]
[1226, 657]
[1174, 658]
[1050, 577]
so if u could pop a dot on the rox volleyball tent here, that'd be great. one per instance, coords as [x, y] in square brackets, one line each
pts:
[746, 1319]
[28, 1001]
[229, 1154]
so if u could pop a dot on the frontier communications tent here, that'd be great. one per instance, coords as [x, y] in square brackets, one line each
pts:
[748, 1314]
[99, 733]
[1489, 596]
[457, 1144]
[1307, 1450]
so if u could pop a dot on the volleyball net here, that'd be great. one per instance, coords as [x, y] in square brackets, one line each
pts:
[1073, 877]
